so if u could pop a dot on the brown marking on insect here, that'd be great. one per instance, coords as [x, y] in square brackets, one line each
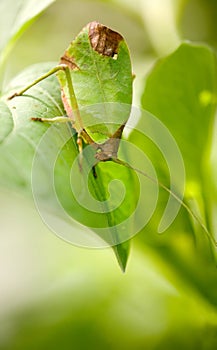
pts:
[118, 132]
[37, 119]
[109, 149]
[104, 40]
[67, 107]
[69, 61]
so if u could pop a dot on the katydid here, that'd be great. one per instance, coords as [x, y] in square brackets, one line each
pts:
[111, 76]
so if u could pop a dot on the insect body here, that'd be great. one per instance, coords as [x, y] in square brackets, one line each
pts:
[94, 70]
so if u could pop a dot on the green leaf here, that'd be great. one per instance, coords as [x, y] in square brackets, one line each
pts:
[20, 137]
[15, 17]
[181, 92]
[211, 184]
[176, 92]
[101, 88]
[28, 153]
[6, 121]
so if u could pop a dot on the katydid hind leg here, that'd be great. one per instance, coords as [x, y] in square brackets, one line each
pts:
[80, 149]
[72, 100]
[61, 119]
[36, 81]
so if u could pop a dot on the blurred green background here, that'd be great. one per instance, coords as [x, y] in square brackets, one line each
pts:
[57, 296]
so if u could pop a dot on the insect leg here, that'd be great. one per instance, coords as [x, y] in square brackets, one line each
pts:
[73, 100]
[60, 119]
[44, 76]
[80, 155]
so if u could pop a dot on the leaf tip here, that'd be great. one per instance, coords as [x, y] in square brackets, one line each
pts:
[122, 252]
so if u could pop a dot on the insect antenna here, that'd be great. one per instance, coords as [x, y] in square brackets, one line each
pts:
[183, 204]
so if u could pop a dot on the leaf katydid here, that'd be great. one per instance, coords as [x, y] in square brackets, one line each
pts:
[111, 76]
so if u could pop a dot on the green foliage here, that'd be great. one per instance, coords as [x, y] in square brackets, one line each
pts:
[100, 75]
[174, 93]
[170, 286]
[15, 19]
[169, 104]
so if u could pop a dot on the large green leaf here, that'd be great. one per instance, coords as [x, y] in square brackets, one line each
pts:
[15, 17]
[211, 183]
[25, 142]
[100, 70]
[6, 121]
[175, 92]
[181, 92]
